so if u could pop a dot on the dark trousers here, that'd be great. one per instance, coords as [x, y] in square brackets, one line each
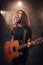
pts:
[19, 61]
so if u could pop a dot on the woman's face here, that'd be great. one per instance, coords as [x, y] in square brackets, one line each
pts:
[18, 16]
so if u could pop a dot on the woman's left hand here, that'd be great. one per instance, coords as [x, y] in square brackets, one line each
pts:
[29, 43]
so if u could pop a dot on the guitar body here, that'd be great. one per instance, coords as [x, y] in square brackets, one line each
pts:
[11, 48]
[8, 50]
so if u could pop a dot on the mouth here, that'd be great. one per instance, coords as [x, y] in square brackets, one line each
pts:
[17, 18]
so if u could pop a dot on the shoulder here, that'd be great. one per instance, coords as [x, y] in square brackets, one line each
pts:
[14, 27]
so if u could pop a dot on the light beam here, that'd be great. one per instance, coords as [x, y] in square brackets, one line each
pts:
[19, 4]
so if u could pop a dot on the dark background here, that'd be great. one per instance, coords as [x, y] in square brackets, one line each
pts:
[35, 56]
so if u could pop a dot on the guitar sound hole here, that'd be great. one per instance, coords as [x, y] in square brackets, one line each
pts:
[14, 49]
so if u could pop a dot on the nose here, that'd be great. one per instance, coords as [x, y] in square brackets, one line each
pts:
[17, 15]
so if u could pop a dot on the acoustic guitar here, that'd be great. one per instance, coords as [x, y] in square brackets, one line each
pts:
[11, 48]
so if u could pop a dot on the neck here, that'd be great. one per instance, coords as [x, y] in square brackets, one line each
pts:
[19, 25]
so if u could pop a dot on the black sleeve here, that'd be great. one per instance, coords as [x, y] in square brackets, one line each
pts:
[29, 33]
[13, 31]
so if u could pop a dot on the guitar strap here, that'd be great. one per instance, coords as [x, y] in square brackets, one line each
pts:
[24, 35]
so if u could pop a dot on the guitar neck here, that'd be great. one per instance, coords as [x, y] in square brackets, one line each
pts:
[22, 46]
[35, 42]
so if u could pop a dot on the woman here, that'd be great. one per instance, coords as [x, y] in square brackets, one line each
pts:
[22, 33]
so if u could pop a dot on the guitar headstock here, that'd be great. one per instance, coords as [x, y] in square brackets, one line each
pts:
[37, 41]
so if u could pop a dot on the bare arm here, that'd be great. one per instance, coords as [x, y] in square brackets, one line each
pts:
[35, 42]
[12, 38]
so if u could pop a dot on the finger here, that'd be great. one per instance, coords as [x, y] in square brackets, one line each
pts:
[29, 40]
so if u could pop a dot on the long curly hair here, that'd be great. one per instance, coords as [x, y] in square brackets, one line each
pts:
[24, 19]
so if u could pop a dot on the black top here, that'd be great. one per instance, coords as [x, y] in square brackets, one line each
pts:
[18, 33]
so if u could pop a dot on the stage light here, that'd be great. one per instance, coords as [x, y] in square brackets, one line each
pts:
[2, 12]
[19, 4]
